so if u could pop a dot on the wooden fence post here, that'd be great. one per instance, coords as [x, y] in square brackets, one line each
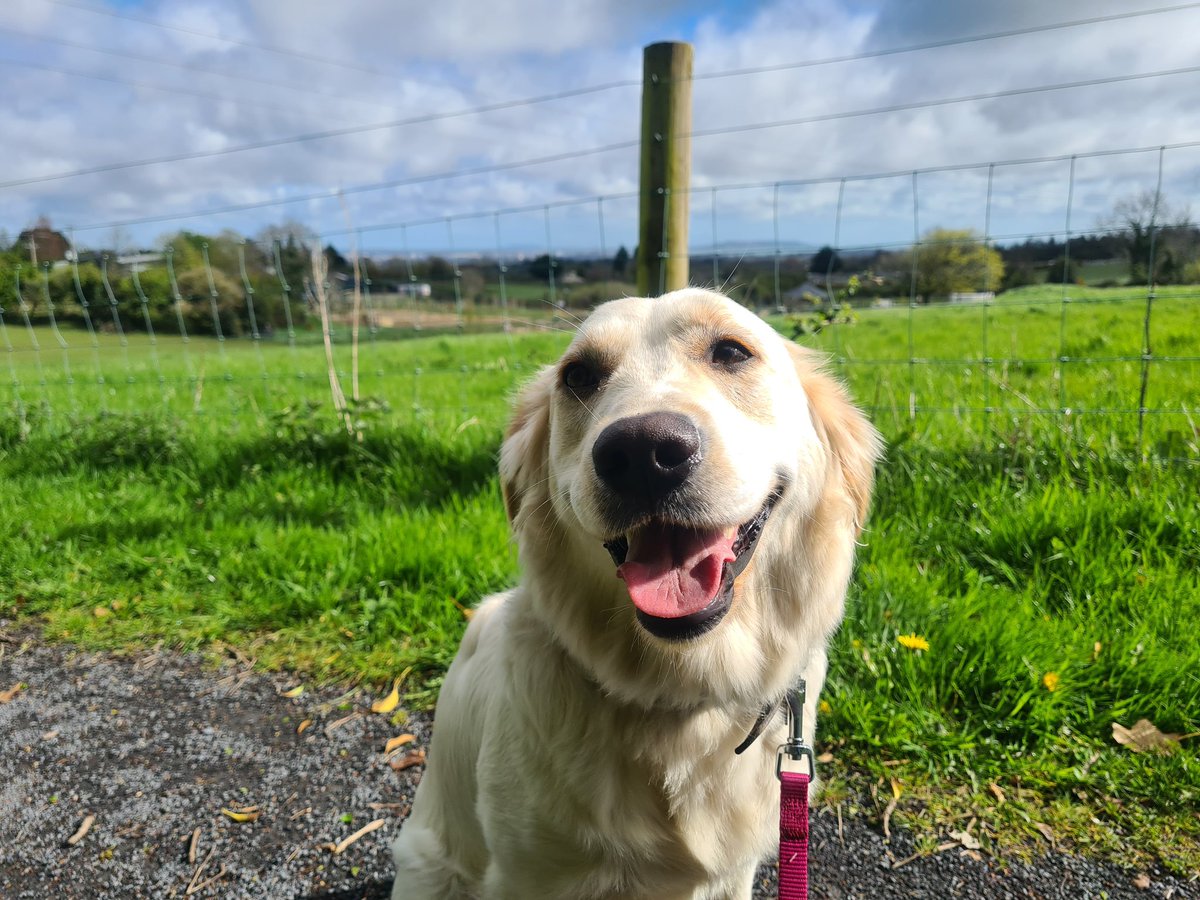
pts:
[666, 166]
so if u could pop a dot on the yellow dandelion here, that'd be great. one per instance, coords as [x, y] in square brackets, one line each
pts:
[824, 707]
[913, 641]
[1050, 680]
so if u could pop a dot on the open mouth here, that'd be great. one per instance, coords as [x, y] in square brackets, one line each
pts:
[680, 578]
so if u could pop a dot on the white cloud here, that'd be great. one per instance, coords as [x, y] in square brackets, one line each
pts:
[463, 53]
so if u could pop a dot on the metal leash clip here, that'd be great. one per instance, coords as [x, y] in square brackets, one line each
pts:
[795, 750]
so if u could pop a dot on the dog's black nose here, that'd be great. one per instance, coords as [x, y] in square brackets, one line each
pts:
[647, 456]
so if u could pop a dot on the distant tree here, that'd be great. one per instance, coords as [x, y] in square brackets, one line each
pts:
[1017, 275]
[1063, 270]
[949, 261]
[539, 267]
[1151, 227]
[288, 231]
[824, 261]
[436, 268]
[621, 261]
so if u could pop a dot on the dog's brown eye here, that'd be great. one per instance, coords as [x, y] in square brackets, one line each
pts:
[729, 353]
[580, 378]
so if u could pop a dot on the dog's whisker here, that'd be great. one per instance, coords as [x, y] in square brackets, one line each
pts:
[544, 326]
[587, 408]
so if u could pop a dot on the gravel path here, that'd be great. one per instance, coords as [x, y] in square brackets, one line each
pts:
[155, 745]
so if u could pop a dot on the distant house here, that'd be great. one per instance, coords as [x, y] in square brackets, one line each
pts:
[416, 289]
[805, 293]
[139, 260]
[972, 296]
[46, 244]
[383, 286]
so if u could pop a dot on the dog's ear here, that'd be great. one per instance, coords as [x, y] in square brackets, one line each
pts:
[526, 446]
[852, 440]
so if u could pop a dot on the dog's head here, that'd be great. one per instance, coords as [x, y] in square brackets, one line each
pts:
[686, 488]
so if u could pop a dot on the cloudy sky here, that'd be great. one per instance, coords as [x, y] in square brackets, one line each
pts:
[96, 90]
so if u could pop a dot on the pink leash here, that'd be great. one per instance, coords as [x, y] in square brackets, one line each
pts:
[793, 836]
[793, 803]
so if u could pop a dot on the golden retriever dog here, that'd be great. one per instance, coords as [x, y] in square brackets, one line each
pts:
[686, 488]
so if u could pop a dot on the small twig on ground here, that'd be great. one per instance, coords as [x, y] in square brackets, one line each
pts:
[191, 886]
[841, 838]
[195, 889]
[887, 818]
[84, 827]
[378, 806]
[193, 845]
[940, 848]
[362, 832]
[338, 723]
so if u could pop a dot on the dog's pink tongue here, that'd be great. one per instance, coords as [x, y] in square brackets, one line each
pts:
[672, 572]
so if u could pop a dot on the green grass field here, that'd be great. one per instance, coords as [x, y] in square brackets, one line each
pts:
[205, 496]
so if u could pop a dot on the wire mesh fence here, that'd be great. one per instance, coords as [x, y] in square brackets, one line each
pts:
[223, 330]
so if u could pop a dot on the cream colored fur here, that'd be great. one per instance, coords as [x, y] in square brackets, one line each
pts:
[576, 756]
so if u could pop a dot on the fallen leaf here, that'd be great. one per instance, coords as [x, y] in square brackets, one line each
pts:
[997, 792]
[101, 611]
[50, 735]
[408, 760]
[1142, 882]
[1096, 648]
[1045, 830]
[303, 725]
[391, 701]
[825, 757]
[968, 840]
[243, 814]
[293, 693]
[398, 741]
[5, 696]
[81, 832]
[897, 788]
[1144, 736]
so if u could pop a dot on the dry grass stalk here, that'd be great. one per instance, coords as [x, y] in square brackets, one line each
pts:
[354, 256]
[320, 270]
